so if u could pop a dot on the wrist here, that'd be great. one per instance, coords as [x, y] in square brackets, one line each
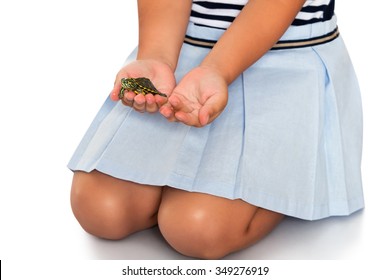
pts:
[219, 68]
[159, 58]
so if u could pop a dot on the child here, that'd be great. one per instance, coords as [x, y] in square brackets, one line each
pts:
[262, 119]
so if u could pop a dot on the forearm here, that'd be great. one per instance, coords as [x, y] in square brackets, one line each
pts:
[162, 27]
[256, 29]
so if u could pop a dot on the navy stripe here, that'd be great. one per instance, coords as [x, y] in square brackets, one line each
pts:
[210, 5]
[299, 22]
[212, 17]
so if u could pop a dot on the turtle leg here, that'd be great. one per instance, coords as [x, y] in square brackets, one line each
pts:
[121, 93]
[162, 94]
[137, 91]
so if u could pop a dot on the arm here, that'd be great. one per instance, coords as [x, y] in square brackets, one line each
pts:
[256, 29]
[162, 26]
[202, 94]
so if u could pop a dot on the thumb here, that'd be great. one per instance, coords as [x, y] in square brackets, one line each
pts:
[114, 94]
[209, 112]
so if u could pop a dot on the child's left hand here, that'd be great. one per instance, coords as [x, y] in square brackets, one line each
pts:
[198, 99]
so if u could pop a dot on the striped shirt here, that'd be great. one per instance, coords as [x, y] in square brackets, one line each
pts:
[221, 13]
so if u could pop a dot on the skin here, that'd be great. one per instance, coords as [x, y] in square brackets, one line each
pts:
[111, 208]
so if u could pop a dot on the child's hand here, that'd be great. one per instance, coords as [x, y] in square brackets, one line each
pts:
[159, 73]
[198, 99]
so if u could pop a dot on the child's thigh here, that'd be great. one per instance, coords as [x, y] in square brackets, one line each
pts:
[102, 203]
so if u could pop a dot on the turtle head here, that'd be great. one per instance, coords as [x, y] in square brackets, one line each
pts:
[129, 83]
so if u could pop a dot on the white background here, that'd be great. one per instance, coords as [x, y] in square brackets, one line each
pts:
[58, 60]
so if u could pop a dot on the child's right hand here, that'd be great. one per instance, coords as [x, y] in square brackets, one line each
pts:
[158, 72]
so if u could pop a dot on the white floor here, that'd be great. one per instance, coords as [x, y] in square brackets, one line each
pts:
[336, 238]
[56, 69]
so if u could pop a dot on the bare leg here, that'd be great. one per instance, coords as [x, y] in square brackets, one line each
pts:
[112, 208]
[210, 227]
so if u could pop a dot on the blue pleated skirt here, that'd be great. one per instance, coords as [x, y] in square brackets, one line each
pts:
[289, 140]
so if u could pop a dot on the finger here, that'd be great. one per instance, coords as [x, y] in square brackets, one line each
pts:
[187, 118]
[139, 103]
[160, 100]
[128, 99]
[180, 103]
[127, 102]
[185, 111]
[167, 111]
[205, 116]
[114, 94]
[210, 111]
[151, 105]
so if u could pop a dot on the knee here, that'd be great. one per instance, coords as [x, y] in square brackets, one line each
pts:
[98, 212]
[194, 234]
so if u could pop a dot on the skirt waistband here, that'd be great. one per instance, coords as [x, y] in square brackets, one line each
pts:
[294, 37]
[280, 45]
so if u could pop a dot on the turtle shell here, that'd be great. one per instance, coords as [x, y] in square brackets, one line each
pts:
[139, 86]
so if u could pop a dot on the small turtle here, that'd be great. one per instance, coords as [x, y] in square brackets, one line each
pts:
[138, 86]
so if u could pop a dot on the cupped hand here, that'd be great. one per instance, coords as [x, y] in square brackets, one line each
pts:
[198, 99]
[158, 72]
